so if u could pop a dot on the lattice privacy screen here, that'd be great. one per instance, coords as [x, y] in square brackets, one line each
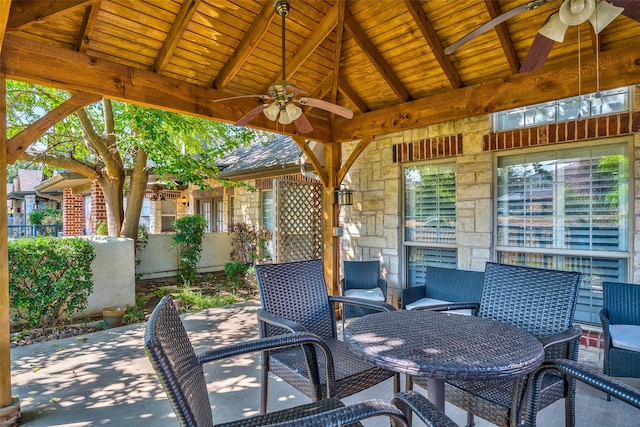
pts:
[298, 220]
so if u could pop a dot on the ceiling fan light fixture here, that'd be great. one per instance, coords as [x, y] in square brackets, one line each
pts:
[284, 118]
[293, 111]
[575, 12]
[554, 29]
[604, 15]
[272, 111]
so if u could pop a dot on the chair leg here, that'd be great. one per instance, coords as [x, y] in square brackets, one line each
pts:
[409, 383]
[396, 383]
[470, 421]
[570, 404]
[264, 388]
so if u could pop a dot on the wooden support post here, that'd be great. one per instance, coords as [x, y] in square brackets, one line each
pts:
[331, 249]
[9, 411]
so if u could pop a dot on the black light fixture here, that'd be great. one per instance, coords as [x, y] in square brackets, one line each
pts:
[185, 201]
[343, 196]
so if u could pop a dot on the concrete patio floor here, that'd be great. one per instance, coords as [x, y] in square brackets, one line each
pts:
[105, 378]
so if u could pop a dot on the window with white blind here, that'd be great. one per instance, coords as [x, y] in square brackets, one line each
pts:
[590, 105]
[429, 218]
[567, 209]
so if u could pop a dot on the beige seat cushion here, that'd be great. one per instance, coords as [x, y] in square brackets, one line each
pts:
[626, 337]
[430, 302]
[373, 294]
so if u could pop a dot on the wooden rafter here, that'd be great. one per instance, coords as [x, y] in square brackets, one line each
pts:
[321, 32]
[252, 37]
[27, 12]
[19, 143]
[337, 54]
[376, 58]
[429, 34]
[353, 97]
[4, 17]
[187, 9]
[88, 23]
[504, 36]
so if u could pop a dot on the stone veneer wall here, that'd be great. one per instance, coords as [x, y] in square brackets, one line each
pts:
[372, 225]
[72, 213]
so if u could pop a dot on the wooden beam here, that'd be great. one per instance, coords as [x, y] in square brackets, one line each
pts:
[252, 37]
[320, 33]
[187, 9]
[619, 67]
[429, 34]
[353, 97]
[5, 6]
[504, 36]
[344, 169]
[376, 58]
[337, 53]
[20, 142]
[35, 62]
[86, 30]
[317, 166]
[27, 12]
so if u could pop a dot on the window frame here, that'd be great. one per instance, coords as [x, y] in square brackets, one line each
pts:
[587, 290]
[409, 247]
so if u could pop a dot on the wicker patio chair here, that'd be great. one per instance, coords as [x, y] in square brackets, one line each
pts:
[181, 373]
[620, 315]
[542, 302]
[575, 370]
[294, 298]
[362, 280]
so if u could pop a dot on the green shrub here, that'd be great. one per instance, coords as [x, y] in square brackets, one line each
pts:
[102, 229]
[188, 239]
[235, 271]
[48, 277]
[46, 216]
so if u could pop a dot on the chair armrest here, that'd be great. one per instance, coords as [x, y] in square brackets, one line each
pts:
[604, 319]
[595, 379]
[266, 317]
[278, 342]
[563, 337]
[382, 284]
[423, 408]
[380, 306]
[343, 283]
[413, 294]
[473, 306]
[346, 415]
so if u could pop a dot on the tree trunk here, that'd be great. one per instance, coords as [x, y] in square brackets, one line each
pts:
[137, 187]
[112, 188]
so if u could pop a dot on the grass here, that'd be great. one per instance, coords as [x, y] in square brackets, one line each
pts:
[196, 300]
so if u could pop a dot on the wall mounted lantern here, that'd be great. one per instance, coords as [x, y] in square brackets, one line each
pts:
[343, 197]
[185, 201]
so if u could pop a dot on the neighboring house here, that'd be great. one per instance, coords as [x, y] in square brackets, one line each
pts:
[84, 208]
[280, 195]
[24, 197]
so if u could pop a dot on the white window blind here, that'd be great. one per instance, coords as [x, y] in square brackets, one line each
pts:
[567, 209]
[429, 219]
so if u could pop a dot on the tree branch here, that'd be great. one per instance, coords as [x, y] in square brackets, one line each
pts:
[98, 143]
[63, 162]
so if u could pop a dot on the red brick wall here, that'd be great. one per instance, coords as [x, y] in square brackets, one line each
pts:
[72, 213]
[592, 339]
[98, 207]
[574, 130]
[428, 148]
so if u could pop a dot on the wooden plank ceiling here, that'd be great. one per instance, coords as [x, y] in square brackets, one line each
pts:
[382, 59]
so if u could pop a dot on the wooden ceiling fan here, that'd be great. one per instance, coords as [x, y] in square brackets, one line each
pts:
[283, 101]
[599, 13]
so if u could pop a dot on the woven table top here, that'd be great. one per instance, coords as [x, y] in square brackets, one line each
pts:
[444, 346]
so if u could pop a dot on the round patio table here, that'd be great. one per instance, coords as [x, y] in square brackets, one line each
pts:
[442, 346]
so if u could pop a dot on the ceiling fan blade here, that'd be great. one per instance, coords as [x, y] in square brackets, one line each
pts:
[242, 96]
[291, 89]
[538, 53]
[493, 22]
[251, 115]
[327, 106]
[302, 124]
[631, 8]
